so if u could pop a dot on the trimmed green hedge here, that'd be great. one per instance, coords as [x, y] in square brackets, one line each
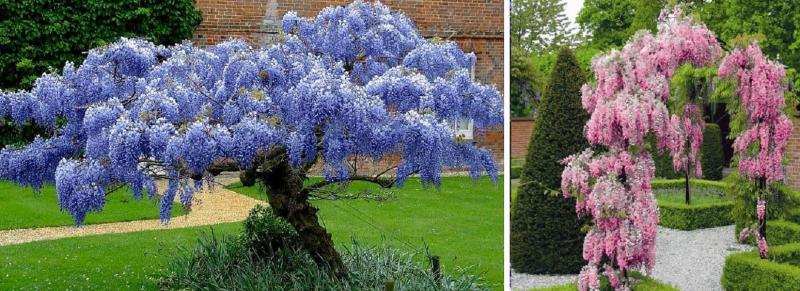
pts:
[690, 217]
[747, 271]
[694, 216]
[781, 232]
[712, 158]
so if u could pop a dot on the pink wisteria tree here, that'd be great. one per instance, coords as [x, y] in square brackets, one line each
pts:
[627, 103]
[760, 85]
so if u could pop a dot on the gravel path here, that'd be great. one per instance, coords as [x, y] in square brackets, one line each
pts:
[521, 281]
[689, 260]
[218, 205]
[693, 260]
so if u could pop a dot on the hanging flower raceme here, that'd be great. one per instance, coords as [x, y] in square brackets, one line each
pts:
[686, 139]
[627, 104]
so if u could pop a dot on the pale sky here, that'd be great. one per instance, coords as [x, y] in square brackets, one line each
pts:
[571, 9]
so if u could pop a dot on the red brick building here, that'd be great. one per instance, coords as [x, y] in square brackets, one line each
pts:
[476, 25]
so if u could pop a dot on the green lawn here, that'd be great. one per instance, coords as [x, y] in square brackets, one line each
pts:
[22, 208]
[462, 222]
[112, 261]
[698, 196]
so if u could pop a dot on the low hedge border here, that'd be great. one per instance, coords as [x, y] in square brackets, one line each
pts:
[691, 217]
[747, 271]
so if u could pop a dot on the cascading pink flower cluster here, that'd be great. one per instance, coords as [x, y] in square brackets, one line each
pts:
[686, 138]
[626, 104]
[760, 88]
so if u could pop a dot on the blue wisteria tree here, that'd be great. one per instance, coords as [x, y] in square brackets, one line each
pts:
[356, 80]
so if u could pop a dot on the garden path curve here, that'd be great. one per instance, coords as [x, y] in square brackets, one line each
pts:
[218, 205]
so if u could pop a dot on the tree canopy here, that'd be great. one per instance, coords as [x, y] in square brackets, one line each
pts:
[355, 80]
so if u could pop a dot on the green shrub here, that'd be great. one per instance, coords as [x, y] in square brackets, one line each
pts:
[224, 263]
[712, 156]
[266, 234]
[747, 271]
[695, 216]
[546, 233]
[781, 205]
[247, 177]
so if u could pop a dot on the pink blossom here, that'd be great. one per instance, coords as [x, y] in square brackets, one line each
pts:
[761, 209]
[763, 249]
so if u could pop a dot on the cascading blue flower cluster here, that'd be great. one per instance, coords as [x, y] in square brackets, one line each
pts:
[354, 80]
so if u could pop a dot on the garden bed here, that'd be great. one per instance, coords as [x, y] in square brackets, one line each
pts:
[747, 271]
[709, 207]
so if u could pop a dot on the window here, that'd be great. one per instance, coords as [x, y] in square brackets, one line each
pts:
[463, 128]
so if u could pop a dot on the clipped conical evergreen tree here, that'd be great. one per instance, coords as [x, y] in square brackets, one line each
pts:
[546, 233]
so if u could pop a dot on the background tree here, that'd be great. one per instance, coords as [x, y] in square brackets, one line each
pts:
[546, 233]
[539, 25]
[526, 84]
[39, 36]
[330, 92]
[607, 22]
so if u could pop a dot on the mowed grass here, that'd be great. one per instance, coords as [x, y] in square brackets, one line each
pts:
[699, 196]
[462, 221]
[128, 261]
[23, 208]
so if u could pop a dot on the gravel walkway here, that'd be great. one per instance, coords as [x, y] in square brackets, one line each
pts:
[521, 281]
[693, 260]
[209, 207]
[689, 260]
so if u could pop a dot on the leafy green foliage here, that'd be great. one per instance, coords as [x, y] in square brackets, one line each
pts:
[607, 21]
[747, 271]
[781, 202]
[40, 35]
[546, 236]
[266, 234]
[526, 83]
[225, 263]
[712, 156]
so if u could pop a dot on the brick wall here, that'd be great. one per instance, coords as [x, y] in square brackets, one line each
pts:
[521, 130]
[476, 25]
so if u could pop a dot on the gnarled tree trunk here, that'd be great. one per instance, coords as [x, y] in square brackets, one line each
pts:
[289, 201]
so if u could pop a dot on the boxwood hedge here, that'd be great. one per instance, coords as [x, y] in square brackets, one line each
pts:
[694, 216]
[747, 271]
